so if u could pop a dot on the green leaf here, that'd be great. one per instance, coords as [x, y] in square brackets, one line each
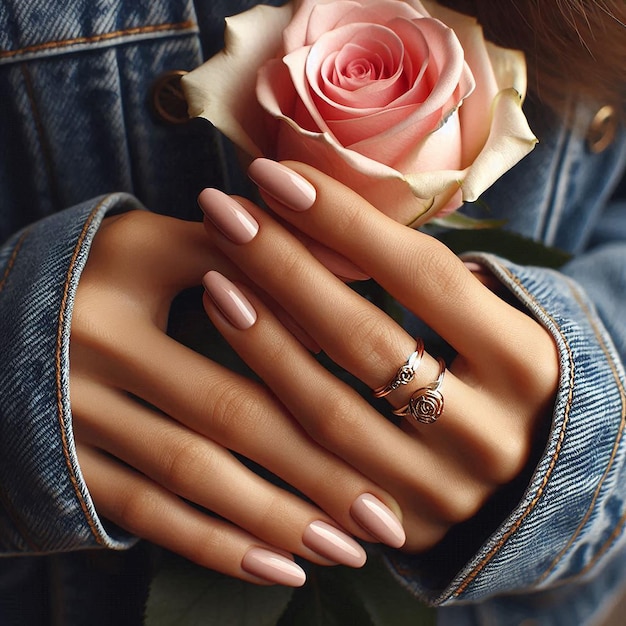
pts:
[184, 594]
[459, 221]
[368, 597]
[326, 599]
[506, 244]
[386, 601]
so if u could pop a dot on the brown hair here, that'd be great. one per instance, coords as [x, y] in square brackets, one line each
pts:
[574, 46]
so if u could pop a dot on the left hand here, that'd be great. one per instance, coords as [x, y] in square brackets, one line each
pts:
[497, 390]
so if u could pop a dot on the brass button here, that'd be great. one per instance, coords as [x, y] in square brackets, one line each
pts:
[602, 130]
[168, 99]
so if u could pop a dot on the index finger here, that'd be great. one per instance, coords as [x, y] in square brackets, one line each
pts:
[415, 268]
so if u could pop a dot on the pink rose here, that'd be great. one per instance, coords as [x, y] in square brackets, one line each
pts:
[411, 108]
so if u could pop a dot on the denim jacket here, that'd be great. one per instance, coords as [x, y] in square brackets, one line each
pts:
[80, 140]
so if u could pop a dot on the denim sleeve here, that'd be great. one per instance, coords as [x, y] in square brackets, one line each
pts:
[45, 505]
[570, 520]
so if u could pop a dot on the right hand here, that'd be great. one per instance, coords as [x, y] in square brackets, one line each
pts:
[155, 424]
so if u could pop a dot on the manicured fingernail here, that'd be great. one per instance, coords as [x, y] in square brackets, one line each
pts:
[334, 545]
[233, 305]
[378, 519]
[228, 216]
[273, 567]
[284, 184]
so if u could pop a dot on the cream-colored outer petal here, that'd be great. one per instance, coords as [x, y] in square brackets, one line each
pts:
[222, 90]
[509, 137]
[510, 140]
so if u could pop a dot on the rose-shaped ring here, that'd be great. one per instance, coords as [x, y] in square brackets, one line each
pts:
[405, 373]
[426, 404]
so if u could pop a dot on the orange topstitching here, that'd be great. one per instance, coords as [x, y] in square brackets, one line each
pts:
[531, 505]
[609, 464]
[59, 349]
[139, 30]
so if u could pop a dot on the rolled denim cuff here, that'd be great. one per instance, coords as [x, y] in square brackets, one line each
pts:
[571, 515]
[45, 505]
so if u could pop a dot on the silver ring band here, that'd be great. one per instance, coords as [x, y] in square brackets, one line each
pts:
[405, 374]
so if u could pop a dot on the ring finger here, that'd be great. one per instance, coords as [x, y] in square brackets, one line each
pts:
[352, 331]
[340, 420]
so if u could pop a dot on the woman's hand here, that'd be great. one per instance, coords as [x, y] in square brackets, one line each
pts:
[496, 391]
[155, 424]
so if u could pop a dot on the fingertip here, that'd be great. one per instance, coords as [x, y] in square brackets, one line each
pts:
[229, 300]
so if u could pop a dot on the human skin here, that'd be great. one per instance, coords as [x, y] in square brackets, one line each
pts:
[499, 389]
[155, 422]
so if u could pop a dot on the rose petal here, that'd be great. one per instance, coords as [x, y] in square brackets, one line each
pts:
[379, 83]
[474, 123]
[510, 139]
[337, 103]
[454, 83]
[327, 16]
[376, 146]
[296, 62]
[231, 104]
[382, 186]
[438, 151]
[276, 95]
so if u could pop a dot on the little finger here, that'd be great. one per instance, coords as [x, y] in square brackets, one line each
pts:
[147, 510]
[199, 470]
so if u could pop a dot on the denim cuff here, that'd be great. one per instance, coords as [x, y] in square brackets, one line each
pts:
[570, 518]
[45, 505]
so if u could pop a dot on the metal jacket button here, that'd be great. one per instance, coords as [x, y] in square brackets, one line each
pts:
[602, 130]
[168, 99]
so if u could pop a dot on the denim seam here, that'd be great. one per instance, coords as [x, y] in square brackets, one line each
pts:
[59, 367]
[12, 259]
[618, 439]
[559, 444]
[102, 37]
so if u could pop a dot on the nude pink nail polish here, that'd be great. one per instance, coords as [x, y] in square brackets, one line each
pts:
[333, 544]
[273, 567]
[228, 216]
[284, 184]
[378, 519]
[233, 305]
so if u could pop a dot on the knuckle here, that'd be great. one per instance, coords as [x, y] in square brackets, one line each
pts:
[441, 274]
[228, 408]
[461, 504]
[274, 350]
[347, 219]
[339, 420]
[124, 231]
[137, 507]
[507, 459]
[372, 334]
[182, 461]
[498, 456]
[293, 264]
[268, 517]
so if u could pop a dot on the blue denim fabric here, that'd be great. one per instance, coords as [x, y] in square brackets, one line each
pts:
[36, 425]
[569, 523]
[75, 118]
